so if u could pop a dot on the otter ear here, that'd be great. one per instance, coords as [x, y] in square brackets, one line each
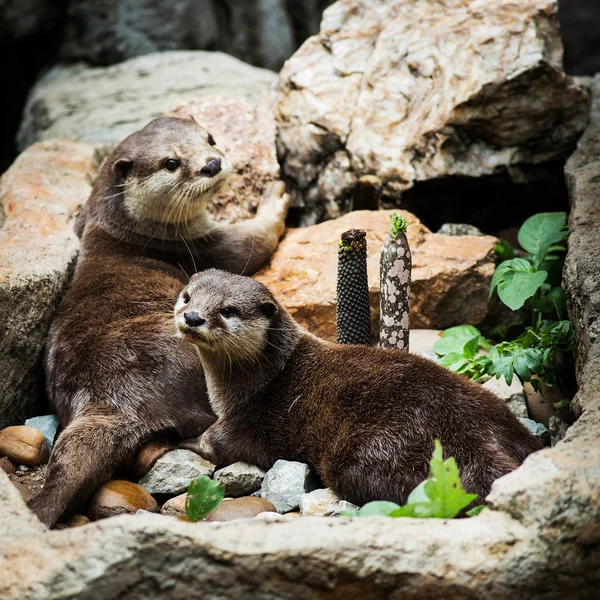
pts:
[269, 309]
[121, 168]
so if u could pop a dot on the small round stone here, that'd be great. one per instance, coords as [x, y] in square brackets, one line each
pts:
[246, 507]
[24, 445]
[119, 497]
[174, 506]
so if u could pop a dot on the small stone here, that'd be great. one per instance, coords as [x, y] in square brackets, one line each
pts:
[246, 507]
[323, 503]
[47, 425]
[148, 454]
[540, 404]
[24, 445]
[558, 429]
[285, 483]
[22, 469]
[77, 521]
[118, 497]
[240, 479]
[174, 506]
[272, 516]
[459, 229]
[173, 472]
[7, 466]
[536, 428]
[513, 394]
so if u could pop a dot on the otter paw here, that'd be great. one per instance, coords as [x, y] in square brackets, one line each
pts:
[200, 445]
[275, 202]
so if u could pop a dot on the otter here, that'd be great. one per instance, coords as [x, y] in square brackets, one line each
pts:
[113, 372]
[364, 418]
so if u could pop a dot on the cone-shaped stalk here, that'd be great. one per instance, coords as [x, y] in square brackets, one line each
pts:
[353, 314]
[396, 265]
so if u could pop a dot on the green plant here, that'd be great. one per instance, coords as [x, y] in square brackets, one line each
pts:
[440, 496]
[203, 496]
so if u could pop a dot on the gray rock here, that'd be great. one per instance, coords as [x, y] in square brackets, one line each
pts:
[240, 479]
[558, 429]
[513, 394]
[47, 425]
[459, 229]
[536, 428]
[173, 472]
[285, 483]
[420, 90]
[323, 503]
[103, 105]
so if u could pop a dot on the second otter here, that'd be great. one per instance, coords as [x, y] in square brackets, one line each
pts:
[364, 418]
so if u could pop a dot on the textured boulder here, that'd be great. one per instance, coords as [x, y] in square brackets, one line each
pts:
[417, 90]
[285, 483]
[103, 105]
[39, 197]
[446, 270]
[240, 479]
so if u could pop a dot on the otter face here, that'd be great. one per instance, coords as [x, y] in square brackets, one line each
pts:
[225, 314]
[169, 170]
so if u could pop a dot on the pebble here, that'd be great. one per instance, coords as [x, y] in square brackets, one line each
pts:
[513, 394]
[47, 425]
[459, 229]
[118, 497]
[536, 428]
[272, 516]
[323, 503]
[240, 479]
[173, 472]
[74, 521]
[174, 506]
[285, 483]
[558, 429]
[24, 445]
[148, 454]
[7, 466]
[246, 507]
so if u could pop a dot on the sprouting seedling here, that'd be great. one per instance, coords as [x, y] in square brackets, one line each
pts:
[353, 312]
[203, 496]
[395, 273]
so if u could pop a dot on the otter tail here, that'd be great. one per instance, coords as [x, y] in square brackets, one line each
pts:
[85, 456]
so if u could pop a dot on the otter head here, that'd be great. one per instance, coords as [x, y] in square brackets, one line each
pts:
[225, 315]
[163, 174]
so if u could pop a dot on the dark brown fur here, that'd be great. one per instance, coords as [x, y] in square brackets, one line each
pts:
[114, 372]
[364, 418]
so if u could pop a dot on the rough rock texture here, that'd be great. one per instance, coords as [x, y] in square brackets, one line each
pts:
[174, 506]
[262, 32]
[173, 472]
[245, 130]
[39, 197]
[103, 105]
[512, 394]
[417, 90]
[446, 270]
[285, 483]
[240, 479]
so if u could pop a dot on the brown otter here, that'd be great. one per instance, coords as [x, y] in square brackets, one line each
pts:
[113, 372]
[364, 418]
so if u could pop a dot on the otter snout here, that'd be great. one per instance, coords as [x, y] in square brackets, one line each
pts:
[212, 167]
[193, 319]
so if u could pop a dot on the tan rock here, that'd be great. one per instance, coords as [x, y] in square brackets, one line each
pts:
[174, 506]
[246, 507]
[446, 269]
[6, 465]
[118, 497]
[148, 454]
[24, 445]
[415, 90]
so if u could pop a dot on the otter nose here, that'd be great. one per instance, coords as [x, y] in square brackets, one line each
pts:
[212, 167]
[193, 319]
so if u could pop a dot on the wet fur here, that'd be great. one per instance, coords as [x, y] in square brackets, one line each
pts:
[365, 419]
[114, 372]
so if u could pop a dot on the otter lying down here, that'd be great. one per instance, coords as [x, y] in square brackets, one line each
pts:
[365, 419]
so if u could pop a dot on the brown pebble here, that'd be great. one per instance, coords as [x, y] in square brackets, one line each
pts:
[246, 507]
[7, 466]
[174, 506]
[24, 445]
[294, 514]
[119, 497]
[77, 521]
[148, 454]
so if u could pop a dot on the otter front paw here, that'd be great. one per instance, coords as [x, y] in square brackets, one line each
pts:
[275, 203]
[201, 445]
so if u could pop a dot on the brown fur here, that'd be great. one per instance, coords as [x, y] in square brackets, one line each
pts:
[364, 418]
[115, 375]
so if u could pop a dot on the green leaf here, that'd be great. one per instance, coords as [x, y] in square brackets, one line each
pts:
[377, 508]
[506, 267]
[471, 348]
[203, 496]
[517, 286]
[455, 338]
[504, 251]
[475, 510]
[398, 225]
[454, 361]
[540, 232]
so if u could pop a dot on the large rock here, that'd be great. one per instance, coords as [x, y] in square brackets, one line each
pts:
[104, 105]
[417, 90]
[285, 483]
[40, 195]
[446, 269]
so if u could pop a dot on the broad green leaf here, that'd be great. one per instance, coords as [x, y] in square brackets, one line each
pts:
[475, 510]
[454, 361]
[503, 367]
[504, 251]
[203, 496]
[471, 348]
[377, 508]
[508, 266]
[540, 232]
[455, 338]
[517, 286]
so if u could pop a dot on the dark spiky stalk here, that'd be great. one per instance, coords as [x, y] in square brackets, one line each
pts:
[396, 265]
[353, 313]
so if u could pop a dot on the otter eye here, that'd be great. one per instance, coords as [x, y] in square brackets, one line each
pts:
[211, 140]
[185, 297]
[171, 164]
[229, 311]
